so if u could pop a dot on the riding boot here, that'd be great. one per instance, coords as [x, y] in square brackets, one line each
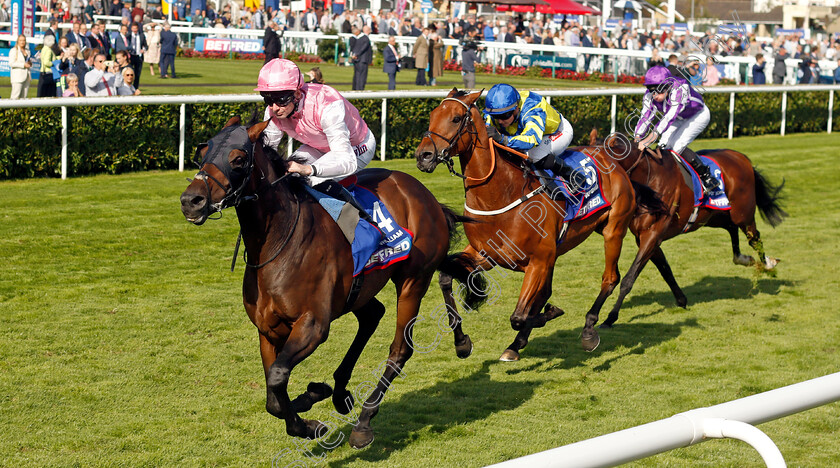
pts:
[709, 182]
[558, 166]
[337, 191]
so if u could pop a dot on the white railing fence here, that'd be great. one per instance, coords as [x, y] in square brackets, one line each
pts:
[183, 101]
[734, 419]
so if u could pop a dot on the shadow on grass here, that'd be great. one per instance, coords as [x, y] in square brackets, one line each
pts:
[708, 289]
[438, 409]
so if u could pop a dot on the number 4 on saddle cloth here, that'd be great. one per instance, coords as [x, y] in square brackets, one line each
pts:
[373, 246]
[716, 199]
[581, 202]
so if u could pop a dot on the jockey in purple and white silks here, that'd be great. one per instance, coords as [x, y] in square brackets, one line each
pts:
[682, 117]
[336, 141]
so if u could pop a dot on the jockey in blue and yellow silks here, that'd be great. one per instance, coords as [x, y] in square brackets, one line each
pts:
[526, 122]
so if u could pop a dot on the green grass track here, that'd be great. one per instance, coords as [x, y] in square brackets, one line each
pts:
[123, 340]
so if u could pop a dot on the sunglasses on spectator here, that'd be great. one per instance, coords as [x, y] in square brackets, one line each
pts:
[506, 115]
[282, 98]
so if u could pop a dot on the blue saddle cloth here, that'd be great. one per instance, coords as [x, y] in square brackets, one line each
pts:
[717, 199]
[374, 247]
[590, 198]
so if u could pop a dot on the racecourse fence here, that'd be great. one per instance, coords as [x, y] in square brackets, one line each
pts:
[733, 419]
[390, 96]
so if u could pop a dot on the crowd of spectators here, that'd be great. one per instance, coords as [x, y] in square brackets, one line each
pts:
[142, 43]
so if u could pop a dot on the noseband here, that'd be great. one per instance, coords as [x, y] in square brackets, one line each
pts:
[444, 156]
[218, 150]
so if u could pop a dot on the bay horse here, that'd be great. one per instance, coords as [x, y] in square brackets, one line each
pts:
[509, 237]
[746, 188]
[302, 271]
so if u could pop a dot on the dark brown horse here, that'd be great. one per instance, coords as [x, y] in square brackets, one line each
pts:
[745, 187]
[525, 236]
[301, 271]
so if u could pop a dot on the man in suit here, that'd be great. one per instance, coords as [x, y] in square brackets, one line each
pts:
[121, 41]
[362, 56]
[391, 58]
[105, 37]
[421, 56]
[271, 43]
[137, 49]
[75, 36]
[168, 47]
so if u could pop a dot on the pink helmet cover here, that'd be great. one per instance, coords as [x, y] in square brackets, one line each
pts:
[279, 75]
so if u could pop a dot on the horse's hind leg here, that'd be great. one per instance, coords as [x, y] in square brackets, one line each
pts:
[368, 316]
[304, 338]
[463, 344]
[646, 248]
[658, 259]
[754, 239]
[737, 257]
[410, 292]
[613, 238]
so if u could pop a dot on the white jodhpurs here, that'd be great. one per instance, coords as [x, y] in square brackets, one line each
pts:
[682, 132]
[553, 144]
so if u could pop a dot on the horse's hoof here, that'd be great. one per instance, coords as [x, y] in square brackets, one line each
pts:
[307, 429]
[682, 301]
[770, 263]
[361, 439]
[743, 260]
[552, 312]
[464, 350]
[509, 356]
[319, 390]
[343, 401]
[590, 341]
[605, 325]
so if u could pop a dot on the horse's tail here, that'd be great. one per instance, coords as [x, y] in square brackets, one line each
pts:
[767, 197]
[648, 199]
[465, 270]
[452, 220]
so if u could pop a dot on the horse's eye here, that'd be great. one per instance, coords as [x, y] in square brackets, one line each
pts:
[457, 118]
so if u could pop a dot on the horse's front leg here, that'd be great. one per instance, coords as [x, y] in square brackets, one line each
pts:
[304, 338]
[613, 238]
[536, 289]
[463, 268]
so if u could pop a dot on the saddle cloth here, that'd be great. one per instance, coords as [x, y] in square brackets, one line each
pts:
[717, 199]
[373, 246]
[586, 200]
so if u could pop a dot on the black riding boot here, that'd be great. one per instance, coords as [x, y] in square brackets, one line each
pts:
[337, 191]
[709, 182]
[559, 167]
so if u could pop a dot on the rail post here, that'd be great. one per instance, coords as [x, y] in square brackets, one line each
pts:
[830, 108]
[383, 122]
[784, 111]
[731, 114]
[613, 106]
[64, 132]
[182, 129]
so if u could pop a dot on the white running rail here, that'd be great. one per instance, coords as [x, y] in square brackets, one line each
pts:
[734, 419]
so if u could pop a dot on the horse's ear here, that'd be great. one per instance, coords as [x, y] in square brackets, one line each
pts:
[235, 120]
[472, 97]
[254, 131]
[452, 93]
[593, 137]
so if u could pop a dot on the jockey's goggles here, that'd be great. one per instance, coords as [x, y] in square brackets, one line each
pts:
[281, 98]
[658, 88]
[506, 115]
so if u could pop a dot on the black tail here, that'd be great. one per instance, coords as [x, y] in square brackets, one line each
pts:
[452, 220]
[767, 197]
[463, 269]
[648, 200]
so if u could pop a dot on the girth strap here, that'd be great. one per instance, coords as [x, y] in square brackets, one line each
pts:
[355, 289]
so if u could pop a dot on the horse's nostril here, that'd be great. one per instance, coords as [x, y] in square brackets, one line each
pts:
[428, 155]
[197, 200]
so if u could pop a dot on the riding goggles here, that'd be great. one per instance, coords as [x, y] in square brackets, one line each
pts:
[506, 115]
[281, 98]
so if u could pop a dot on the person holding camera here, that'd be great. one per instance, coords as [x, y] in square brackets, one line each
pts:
[469, 55]
[100, 80]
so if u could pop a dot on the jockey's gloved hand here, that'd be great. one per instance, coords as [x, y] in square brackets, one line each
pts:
[493, 133]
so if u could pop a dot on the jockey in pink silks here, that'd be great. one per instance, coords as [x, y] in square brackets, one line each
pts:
[336, 142]
[684, 116]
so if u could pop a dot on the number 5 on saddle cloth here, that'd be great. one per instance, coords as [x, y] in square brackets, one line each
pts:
[377, 242]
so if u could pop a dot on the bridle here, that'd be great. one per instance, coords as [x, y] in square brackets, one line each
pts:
[444, 156]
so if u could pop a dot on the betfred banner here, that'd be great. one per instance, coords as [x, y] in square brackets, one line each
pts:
[215, 44]
[23, 18]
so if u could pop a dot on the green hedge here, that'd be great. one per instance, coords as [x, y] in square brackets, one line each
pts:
[115, 139]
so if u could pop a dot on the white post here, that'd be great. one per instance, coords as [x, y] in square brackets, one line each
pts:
[731, 114]
[672, 8]
[384, 124]
[830, 108]
[612, 113]
[182, 125]
[64, 131]
[784, 111]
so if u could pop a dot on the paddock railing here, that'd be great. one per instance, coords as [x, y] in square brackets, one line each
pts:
[183, 101]
[734, 419]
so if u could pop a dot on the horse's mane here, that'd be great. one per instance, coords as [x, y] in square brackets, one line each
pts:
[460, 93]
[281, 166]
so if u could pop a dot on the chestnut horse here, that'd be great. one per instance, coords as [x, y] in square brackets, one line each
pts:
[744, 185]
[302, 272]
[509, 238]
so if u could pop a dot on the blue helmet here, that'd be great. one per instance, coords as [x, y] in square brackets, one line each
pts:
[501, 98]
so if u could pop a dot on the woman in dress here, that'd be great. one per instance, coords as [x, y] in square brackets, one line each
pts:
[152, 56]
[20, 65]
